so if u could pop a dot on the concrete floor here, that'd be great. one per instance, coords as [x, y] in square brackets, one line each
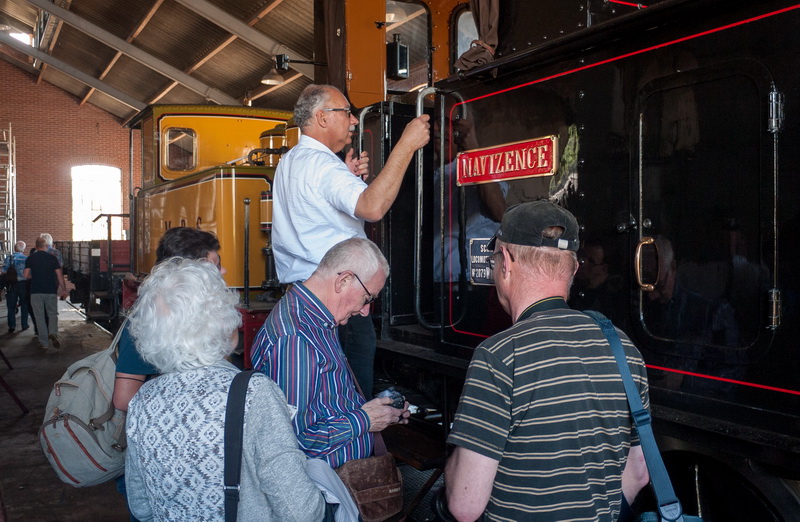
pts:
[29, 488]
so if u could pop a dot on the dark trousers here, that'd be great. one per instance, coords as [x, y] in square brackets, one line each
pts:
[358, 343]
[17, 293]
[122, 489]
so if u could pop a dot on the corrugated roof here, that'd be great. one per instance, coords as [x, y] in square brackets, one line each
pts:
[18, 15]
[169, 35]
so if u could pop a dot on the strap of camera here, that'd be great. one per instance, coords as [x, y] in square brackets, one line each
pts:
[669, 507]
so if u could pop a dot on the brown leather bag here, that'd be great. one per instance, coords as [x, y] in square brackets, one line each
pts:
[375, 483]
[376, 486]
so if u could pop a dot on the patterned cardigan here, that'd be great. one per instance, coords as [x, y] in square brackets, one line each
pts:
[174, 465]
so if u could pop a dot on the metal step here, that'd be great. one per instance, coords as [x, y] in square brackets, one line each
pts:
[97, 316]
[102, 294]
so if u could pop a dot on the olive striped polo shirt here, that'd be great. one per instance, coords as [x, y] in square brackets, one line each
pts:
[546, 400]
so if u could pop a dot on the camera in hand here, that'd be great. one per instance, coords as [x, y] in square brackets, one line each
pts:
[396, 396]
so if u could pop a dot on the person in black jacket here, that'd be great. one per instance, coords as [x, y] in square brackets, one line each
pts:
[47, 285]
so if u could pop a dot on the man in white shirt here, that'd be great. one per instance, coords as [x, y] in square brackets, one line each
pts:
[320, 200]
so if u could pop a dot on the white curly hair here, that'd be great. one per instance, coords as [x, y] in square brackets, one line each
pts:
[184, 317]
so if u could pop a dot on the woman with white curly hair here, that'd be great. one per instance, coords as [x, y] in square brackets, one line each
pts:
[185, 323]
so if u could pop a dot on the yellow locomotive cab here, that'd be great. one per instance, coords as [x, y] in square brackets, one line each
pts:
[197, 172]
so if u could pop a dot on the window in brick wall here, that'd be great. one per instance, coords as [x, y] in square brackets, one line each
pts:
[96, 189]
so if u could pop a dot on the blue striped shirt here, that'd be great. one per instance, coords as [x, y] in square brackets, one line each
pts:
[298, 348]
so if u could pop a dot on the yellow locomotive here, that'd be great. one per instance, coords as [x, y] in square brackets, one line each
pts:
[202, 166]
[210, 167]
[197, 171]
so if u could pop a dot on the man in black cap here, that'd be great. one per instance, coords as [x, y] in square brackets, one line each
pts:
[543, 429]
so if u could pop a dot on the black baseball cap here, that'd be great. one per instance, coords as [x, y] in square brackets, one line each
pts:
[523, 225]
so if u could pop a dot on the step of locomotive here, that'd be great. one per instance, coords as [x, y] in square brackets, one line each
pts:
[102, 294]
[97, 316]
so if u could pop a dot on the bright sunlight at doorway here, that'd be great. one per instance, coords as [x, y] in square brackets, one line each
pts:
[96, 189]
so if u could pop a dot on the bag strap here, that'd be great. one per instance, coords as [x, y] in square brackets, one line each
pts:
[669, 507]
[234, 433]
[97, 423]
[115, 341]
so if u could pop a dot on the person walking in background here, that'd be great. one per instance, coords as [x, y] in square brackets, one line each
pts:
[47, 285]
[16, 287]
[51, 249]
[31, 317]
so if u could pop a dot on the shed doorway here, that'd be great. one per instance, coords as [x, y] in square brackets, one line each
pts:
[96, 189]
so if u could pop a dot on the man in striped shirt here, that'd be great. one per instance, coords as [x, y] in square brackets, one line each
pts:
[543, 429]
[298, 347]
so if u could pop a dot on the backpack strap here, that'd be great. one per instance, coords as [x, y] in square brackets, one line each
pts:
[234, 433]
[97, 423]
[115, 342]
[669, 507]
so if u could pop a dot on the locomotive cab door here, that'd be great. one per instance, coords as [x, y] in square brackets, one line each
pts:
[380, 127]
[705, 182]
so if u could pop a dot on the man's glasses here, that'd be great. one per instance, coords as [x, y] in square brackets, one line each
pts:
[346, 110]
[491, 261]
[369, 297]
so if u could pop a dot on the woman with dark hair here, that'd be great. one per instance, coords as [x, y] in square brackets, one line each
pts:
[185, 323]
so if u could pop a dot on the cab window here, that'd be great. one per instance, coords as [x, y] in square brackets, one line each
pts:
[181, 149]
[407, 24]
[466, 32]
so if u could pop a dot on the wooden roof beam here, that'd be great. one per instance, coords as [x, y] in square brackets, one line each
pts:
[208, 92]
[137, 30]
[253, 20]
[73, 72]
[255, 38]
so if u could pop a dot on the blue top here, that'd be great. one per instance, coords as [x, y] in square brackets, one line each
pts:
[18, 259]
[129, 360]
[298, 348]
[55, 252]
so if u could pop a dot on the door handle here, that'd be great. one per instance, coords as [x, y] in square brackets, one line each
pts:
[637, 264]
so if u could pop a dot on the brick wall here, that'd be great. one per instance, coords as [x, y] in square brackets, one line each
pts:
[53, 134]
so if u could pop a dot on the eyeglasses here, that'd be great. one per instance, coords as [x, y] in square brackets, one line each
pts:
[346, 110]
[491, 259]
[369, 297]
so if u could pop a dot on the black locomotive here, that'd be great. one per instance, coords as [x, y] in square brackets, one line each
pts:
[675, 130]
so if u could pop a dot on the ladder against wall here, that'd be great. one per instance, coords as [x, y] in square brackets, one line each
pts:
[8, 193]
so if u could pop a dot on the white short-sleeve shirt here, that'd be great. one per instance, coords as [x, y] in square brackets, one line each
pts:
[314, 205]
